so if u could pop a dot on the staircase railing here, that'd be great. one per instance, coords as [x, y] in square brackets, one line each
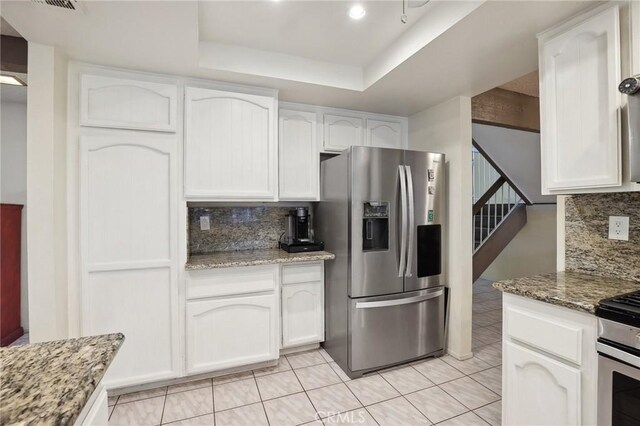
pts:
[495, 197]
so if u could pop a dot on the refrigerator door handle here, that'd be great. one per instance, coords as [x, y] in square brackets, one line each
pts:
[401, 301]
[403, 223]
[411, 220]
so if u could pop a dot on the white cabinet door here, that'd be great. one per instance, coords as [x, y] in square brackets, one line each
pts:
[384, 134]
[128, 244]
[539, 390]
[579, 104]
[341, 131]
[302, 313]
[226, 333]
[299, 158]
[127, 104]
[230, 145]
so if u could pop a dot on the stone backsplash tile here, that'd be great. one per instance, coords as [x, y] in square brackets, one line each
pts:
[587, 247]
[236, 228]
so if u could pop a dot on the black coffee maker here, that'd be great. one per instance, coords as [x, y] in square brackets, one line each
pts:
[298, 235]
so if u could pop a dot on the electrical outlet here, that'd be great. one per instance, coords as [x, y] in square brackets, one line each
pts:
[619, 228]
[204, 223]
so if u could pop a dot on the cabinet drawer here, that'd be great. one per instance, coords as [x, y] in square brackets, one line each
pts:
[562, 339]
[292, 274]
[231, 281]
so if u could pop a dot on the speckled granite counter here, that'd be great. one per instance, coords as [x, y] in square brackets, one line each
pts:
[573, 290]
[227, 259]
[51, 382]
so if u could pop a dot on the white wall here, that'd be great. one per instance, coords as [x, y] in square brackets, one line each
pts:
[46, 193]
[13, 181]
[532, 251]
[446, 128]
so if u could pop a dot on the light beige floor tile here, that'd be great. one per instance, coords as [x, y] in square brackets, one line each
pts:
[397, 412]
[317, 376]
[140, 413]
[491, 354]
[436, 404]
[184, 405]
[137, 396]
[372, 389]
[491, 378]
[277, 385]
[206, 420]
[196, 384]
[305, 359]
[232, 377]
[111, 401]
[406, 380]
[491, 413]
[468, 366]
[235, 394]
[290, 410]
[467, 419]
[333, 399]
[469, 392]
[343, 376]
[326, 355]
[488, 335]
[248, 415]
[283, 365]
[437, 370]
[356, 417]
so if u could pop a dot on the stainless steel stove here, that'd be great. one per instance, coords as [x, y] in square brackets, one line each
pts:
[619, 360]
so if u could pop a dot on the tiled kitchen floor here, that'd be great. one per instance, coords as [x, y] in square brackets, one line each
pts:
[309, 387]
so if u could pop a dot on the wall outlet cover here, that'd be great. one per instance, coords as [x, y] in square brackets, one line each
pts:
[204, 223]
[619, 228]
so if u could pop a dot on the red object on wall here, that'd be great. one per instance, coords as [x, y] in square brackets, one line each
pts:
[10, 235]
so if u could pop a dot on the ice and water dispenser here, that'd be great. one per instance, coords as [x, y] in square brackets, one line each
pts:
[375, 226]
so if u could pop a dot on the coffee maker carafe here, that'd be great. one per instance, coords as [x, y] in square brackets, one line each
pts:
[302, 220]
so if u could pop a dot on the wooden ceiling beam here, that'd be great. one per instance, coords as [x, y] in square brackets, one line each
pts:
[14, 54]
[504, 108]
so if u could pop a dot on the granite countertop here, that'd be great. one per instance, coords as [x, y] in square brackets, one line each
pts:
[573, 290]
[51, 382]
[227, 259]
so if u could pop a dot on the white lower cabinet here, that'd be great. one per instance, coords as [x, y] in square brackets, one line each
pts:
[534, 381]
[302, 313]
[231, 332]
[549, 364]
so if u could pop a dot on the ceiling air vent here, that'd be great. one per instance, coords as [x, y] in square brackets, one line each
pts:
[64, 4]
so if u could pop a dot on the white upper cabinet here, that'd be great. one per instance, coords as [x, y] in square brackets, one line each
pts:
[230, 145]
[384, 134]
[580, 104]
[342, 131]
[127, 104]
[299, 159]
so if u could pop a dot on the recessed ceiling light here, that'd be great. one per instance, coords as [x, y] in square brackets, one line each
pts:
[9, 79]
[357, 12]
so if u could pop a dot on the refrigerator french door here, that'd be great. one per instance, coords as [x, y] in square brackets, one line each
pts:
[382, 214]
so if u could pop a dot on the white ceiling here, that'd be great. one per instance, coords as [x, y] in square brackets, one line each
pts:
[320, 30]
[464, 53]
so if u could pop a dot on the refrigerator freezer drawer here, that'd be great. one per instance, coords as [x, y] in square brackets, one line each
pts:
[388, 330]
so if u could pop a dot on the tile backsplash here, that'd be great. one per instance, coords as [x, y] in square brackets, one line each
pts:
[587, 247]
[236, 228]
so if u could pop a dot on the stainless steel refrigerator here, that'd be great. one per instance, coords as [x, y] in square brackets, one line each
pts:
[382, 213]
